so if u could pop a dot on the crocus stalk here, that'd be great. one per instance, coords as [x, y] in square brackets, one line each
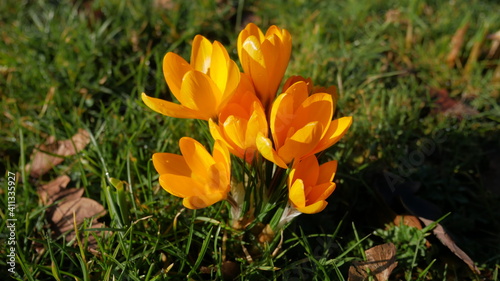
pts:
[301, 125]
[265, 58]
[309, 184]
[202, 87]
[239, 123]
[198, 177]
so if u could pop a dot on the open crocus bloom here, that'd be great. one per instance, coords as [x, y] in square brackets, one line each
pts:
[310, 185]
[265, 58]
[198, 177]
[239, 123]
[202, 87]
[301, 125]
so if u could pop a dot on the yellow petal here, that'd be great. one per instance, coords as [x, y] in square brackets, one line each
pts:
[174, 68]
[281, 117]
[336, 130]
[224, 72]
[218, 179]
[320, 192]
[296, 78]
[196, 156]
[221, 156]
[201, 54]
[317, 107]
[234, 129]
[250, 29]
[314, 208]
[301, 142]
[296, 194]
[171, 109]
[203, 200]
[265, 147]
[181, 186]
[256, 123]
[168, 163]
[200, 93]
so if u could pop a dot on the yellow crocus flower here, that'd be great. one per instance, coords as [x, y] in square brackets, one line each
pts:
[198, 177]
[301, 125]
[239, 123]
[310, 184]
[265, 58]
[202, 87]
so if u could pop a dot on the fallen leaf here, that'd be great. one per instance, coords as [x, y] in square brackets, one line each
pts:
[448, 106]
[443, 236]
[379, 264]
[67, 205]
[395, 16]
[457, 41]
[164, 4]
[53, 152]
[62, 214]
[407, 220]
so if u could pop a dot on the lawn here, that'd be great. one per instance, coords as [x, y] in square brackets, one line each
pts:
[421, 80]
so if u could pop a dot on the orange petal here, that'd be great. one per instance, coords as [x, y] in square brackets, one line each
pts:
[307, 170]
[320, 192]
[196, 156]
[221, 155]
[317, 107]
[218, 179]
[336, 130]
[168, 163]
[301, 142]
[203, 200]
[170, 109]
[296, 78]
[327, 171]
[181, 186]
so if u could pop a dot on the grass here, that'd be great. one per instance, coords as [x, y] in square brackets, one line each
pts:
[65, 66]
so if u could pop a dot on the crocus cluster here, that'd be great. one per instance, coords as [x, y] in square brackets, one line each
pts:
[275, 134]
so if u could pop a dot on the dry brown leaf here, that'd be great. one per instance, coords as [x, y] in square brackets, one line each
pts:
[407, 220]
[395, 16]
[62, 214]
[380, 262]
[448, 106]
[164, 4]
[443, 236]
[52, 153]
[457, 41]
[49, 192]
